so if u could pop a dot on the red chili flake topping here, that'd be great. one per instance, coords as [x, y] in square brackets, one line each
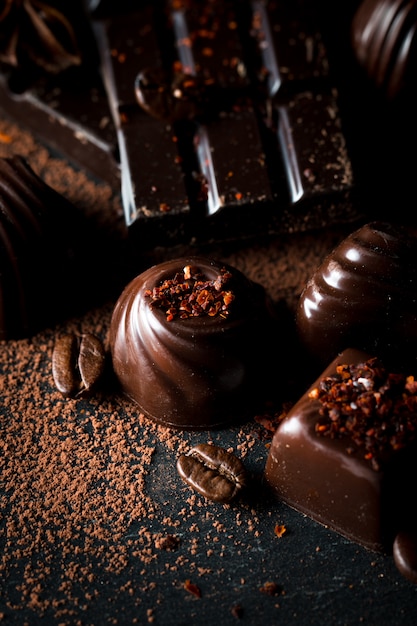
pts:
[192, 588]
[270, 588]
[190, 294]
[280, 530]
[5, 138]
[375, 408]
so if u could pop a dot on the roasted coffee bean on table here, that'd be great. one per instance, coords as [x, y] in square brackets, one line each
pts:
[212, 471]
[77, 363]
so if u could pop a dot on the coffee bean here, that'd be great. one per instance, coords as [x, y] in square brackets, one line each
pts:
[77, 363]
[212, 471]
[91, 360]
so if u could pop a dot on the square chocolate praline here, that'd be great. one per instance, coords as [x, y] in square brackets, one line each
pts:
[331, 479]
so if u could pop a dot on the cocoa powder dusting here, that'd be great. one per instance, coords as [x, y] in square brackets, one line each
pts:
[96, 527]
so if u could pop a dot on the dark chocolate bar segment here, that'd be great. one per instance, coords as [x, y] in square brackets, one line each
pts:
[316, 164]
[292, 47]
[152, 179]
[209, 47]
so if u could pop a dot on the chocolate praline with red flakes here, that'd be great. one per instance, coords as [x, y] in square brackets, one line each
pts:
[345, 454]
[191, 341]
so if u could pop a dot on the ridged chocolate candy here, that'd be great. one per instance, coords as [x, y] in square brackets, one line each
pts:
[384, 40]
[364, 295]
[194, 373]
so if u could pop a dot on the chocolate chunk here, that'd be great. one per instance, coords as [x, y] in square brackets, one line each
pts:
[346, 452]
[240, 135]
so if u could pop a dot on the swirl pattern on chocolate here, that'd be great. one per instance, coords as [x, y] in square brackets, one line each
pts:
[385, 43]
[195, 373]
[36, 230]
[363, 295]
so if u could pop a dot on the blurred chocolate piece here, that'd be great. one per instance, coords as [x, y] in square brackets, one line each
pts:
[70, 114]
[364, 295]
[405, 554]
[33, 35]
[384, 41]
[39, 231]
[227, 120]
[190, 340]
[345, 454]
[50, 84]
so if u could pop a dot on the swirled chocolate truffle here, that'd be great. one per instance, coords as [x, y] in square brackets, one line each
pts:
[188, 339]
[364, 295]
[36, 228]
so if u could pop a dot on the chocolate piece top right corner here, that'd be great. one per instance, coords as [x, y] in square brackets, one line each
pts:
[260, 145]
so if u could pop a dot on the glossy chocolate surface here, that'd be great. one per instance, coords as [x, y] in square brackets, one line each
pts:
[364, 295]
[200, 372]
[330, 480]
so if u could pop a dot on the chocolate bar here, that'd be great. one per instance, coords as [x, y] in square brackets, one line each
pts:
[260, 146]
[345, 454]
[253, 142]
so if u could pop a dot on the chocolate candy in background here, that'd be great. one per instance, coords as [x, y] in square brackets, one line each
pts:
[56, 90]
[364, 295]
[200, 372]
[405, 553]
[377, 87]
[384, 41]
[41, 235]
[334, 480]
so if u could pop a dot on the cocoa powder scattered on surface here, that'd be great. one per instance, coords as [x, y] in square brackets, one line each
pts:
[96, 527]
